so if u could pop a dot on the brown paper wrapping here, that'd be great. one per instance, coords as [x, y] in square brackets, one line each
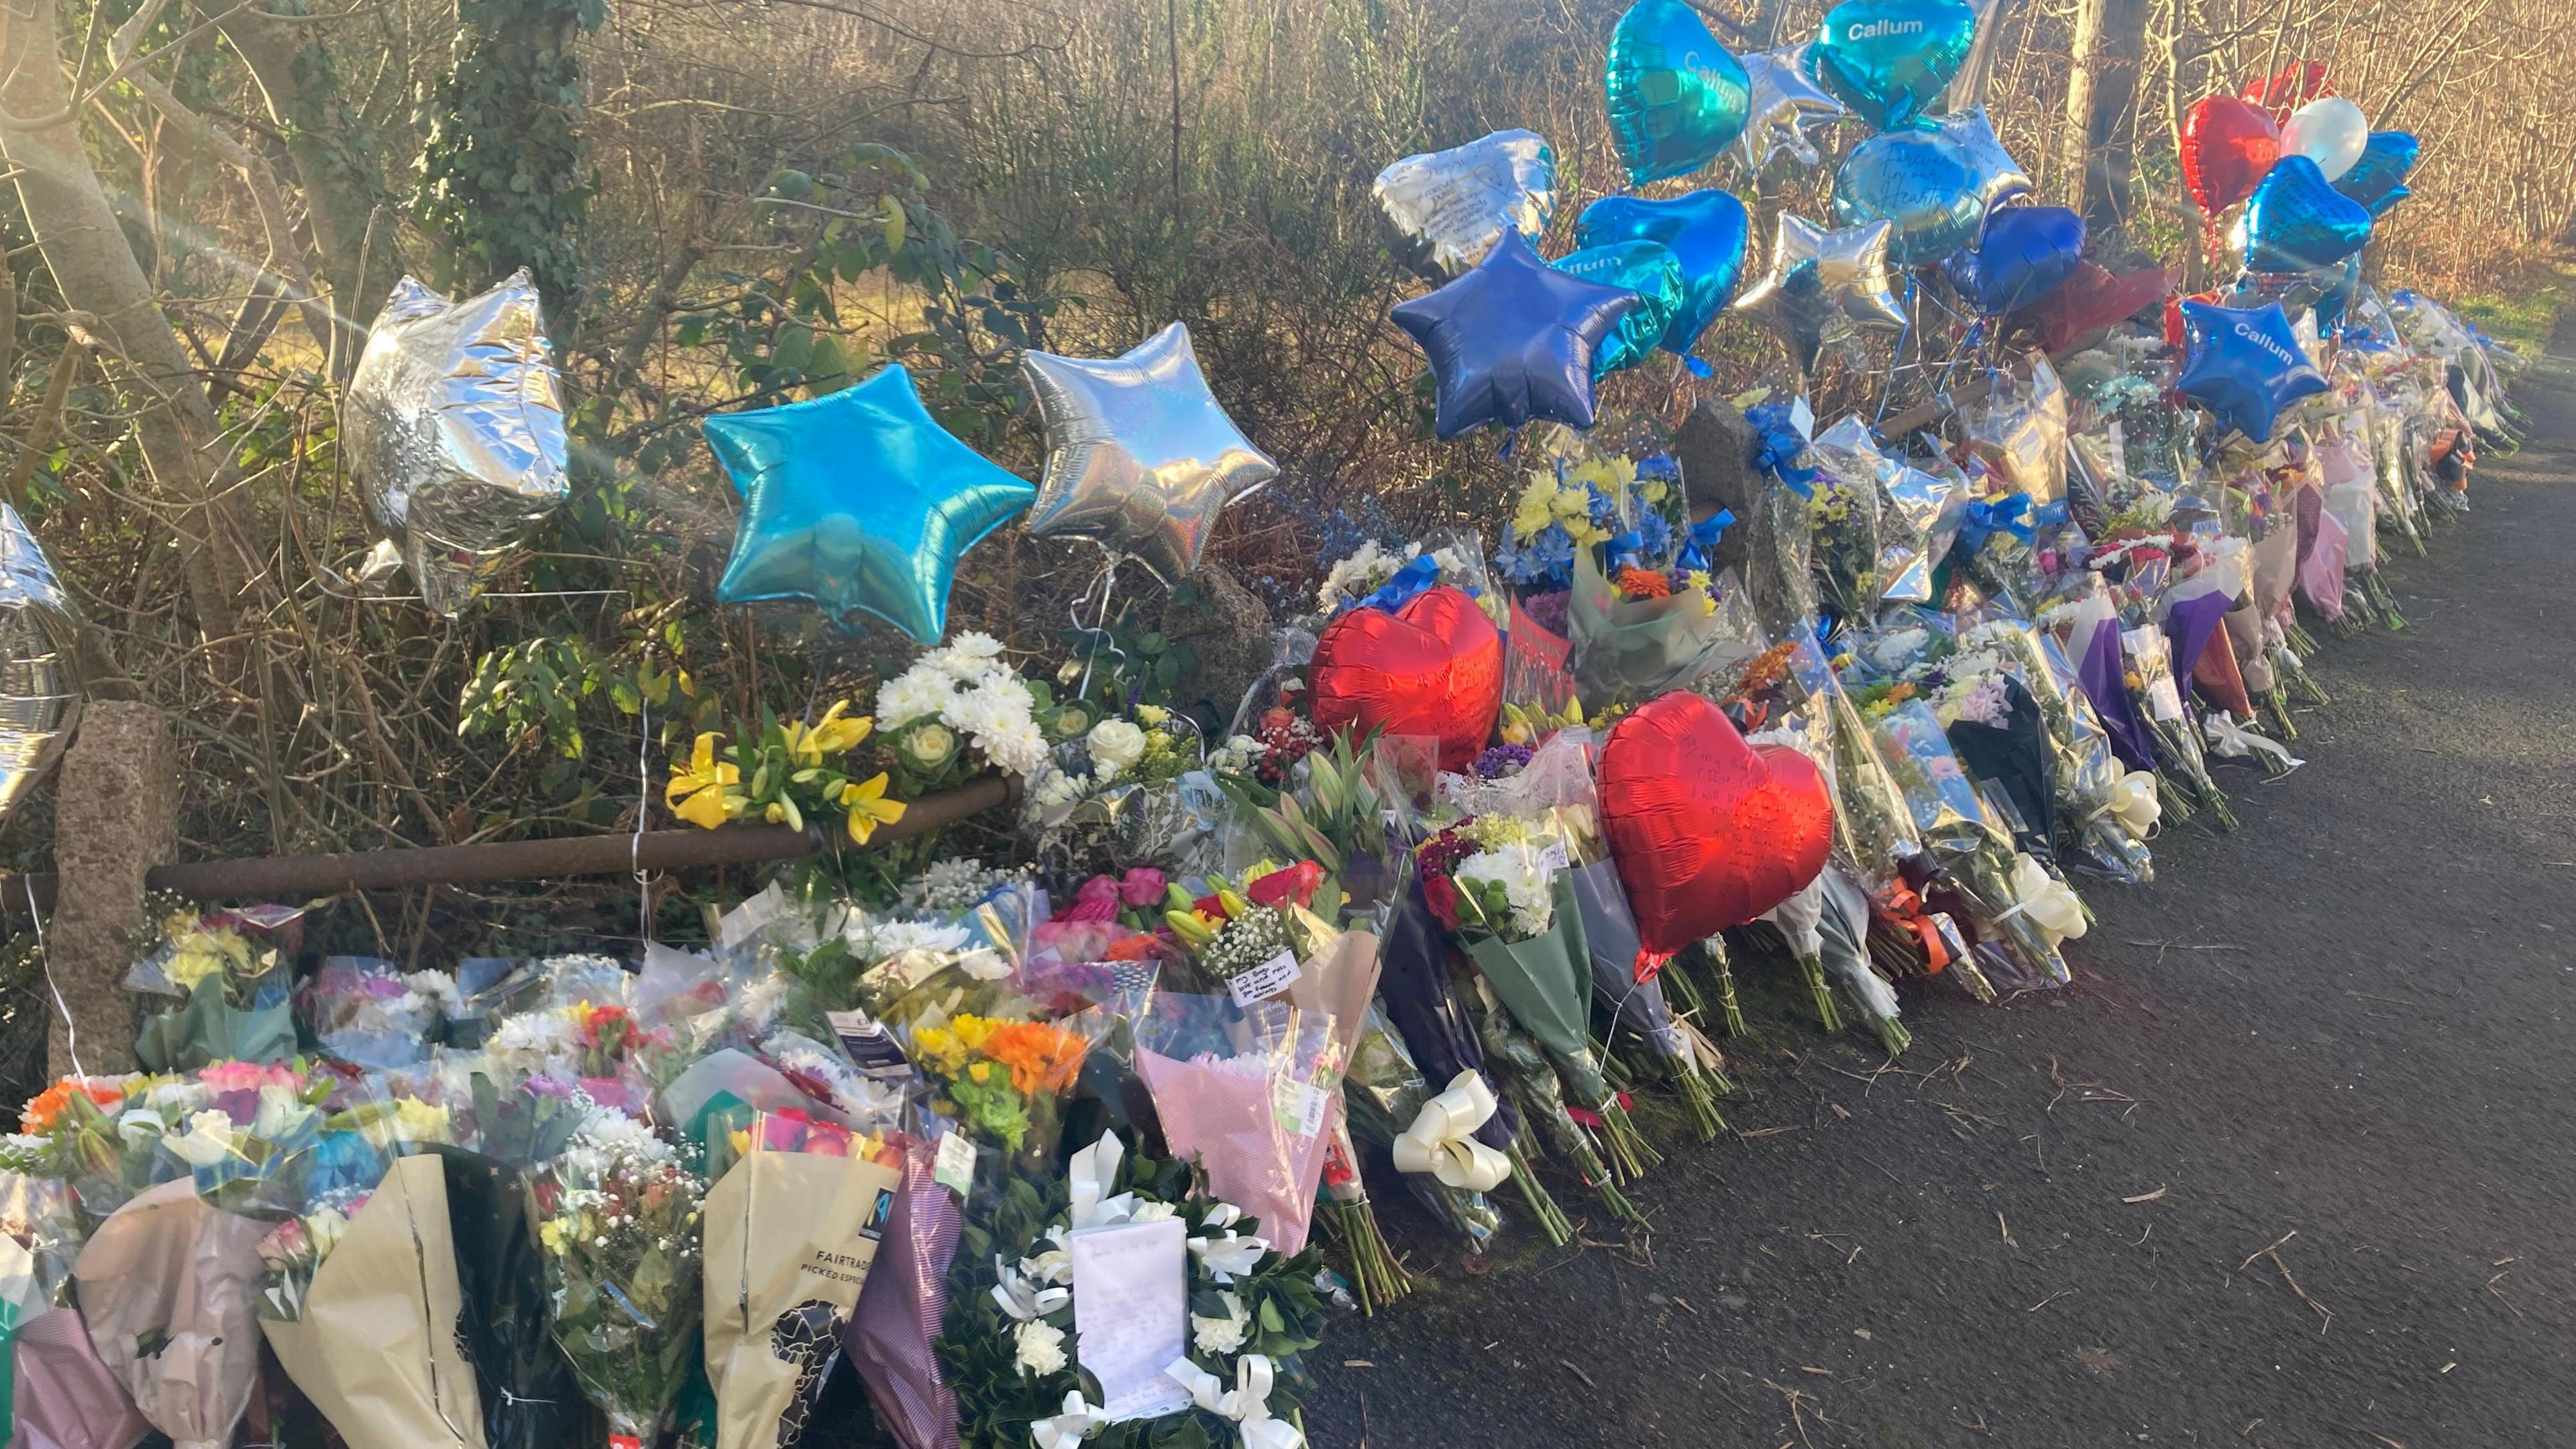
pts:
[789, 1238]
[171, 1272]
[376, 1348]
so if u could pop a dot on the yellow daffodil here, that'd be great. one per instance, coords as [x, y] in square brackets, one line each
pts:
[868, 807]
[702, 792]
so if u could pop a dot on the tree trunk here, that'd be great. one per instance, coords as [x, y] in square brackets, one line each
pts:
[2099, 161]
[87, 252]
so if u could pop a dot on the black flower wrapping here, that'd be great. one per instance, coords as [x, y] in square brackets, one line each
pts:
[1414, 986]
[530, 1400]
[2015, 759]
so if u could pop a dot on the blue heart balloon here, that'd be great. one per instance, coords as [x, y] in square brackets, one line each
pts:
[2246, 365]
[2341, 284]
[1890, 59]
[1675, 96]
[1704, 229]
[1513, 339]
[1919, 182]
[2026, 253]
[858, 501]
[2296, 221]
[1647, 268]
[2378, 179]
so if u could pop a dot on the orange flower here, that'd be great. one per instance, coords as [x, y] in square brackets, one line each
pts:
[41, 1113]
[1139, 947]
[1041, 1057]
[1644, 584]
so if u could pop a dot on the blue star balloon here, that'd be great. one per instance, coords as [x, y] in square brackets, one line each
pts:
[2246, 365]
[1675, 96]
[1513, 340]
[2296, 221]
[858, 502]
[2378, 179]
[1646, 268]
[1704, 229]
[1890, 59]
[2026, 253]
[1919, 182]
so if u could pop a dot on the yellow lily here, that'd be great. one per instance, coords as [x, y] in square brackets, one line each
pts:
[702, 792]
[833, 735]
[868, 808]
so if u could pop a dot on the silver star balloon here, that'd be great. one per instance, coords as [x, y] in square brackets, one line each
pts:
[1999, 176]
[40, 681]
[1451, 205]
[1786, 101]
[1823, 284]
[1140, 458]
[454, 422]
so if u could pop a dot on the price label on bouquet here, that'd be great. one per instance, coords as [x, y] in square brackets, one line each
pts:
[954, 1167]
[869, 1044]
[1264, 981]
[1553, 858]
[1298, 1106]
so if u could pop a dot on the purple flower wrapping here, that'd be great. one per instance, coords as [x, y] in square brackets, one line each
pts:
[901, 1309]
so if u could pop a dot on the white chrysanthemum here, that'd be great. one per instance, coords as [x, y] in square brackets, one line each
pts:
[898, 937]
[1017, 748]
[917, 693]
[1516, 869]
[971, 655]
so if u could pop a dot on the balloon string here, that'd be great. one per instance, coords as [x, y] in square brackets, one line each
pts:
[643, 811]
[1904, 331]
[1098, 634]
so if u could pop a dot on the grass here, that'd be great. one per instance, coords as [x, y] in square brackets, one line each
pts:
[2526, 312]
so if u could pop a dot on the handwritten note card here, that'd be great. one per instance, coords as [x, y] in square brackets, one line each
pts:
[1131, 1311]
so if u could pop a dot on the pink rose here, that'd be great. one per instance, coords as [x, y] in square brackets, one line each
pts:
[1142, 887]
[1096, 901]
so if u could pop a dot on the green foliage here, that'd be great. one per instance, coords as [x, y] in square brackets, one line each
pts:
[505, 175]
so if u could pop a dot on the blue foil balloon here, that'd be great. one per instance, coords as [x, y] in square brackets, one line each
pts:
[1921, 184]
[2378, 179]
[2246, 365]
[1704, 229]
[858, 502]
[2296, 221]
[1675, 96]
[2342, 284]
[1514, 339]
[1890, 59]
[1646, 268]
[2026, 253]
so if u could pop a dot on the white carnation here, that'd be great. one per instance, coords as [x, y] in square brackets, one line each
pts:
[1220, 1335]
[1040, 1346]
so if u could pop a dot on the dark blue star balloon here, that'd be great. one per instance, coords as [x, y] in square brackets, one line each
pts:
[1704, 229]
[858, 502]
[1513, 340]
[2246, 365]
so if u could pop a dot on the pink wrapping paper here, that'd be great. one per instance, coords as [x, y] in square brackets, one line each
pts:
[66, 1398]
[2321, 572]
[167, 1286]
[1225, 1119]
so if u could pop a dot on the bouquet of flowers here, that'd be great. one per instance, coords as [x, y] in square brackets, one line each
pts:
[1640, 631]
[2105, 810]
[1376, 576]
[604, 1050]
[361, 1010]
[530, 1399]
[957, 709]
[1115, 793]
[1337, 984]
[224, 967]
[1995, 727]
[1842, 521]
[1448, 1170]
[1244, 1093]
[2017, 895]
[620, 1233]
[1329, 807]
[168, 1287]
[1201, 1345]
[358, 1291]
[893, 1333]
[2160, 707]
[785, 773]
[1003, 1082]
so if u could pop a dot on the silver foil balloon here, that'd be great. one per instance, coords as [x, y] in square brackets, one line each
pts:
[40, 683]
[1999, 176]
[1140, 458]
[1786, 101]
[454, 422]
[1451, 205]
[1822, 284]
[1967, 90]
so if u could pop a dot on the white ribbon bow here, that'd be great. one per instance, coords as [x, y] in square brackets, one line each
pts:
[1094, 1172]
[2229, 738]
[2134, 804]
[1019, 1296]
[1442, 1139]
[1078, 1422]
[1247, 1403]
[1229, 1255]
[2051, 904]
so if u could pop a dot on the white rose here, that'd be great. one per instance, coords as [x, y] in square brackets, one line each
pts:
[1041, 1347]
[208, 1140]
[1116, 746]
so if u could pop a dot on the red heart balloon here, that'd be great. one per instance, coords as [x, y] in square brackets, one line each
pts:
[1432, 668]
[2227, 145]
[1709, 832]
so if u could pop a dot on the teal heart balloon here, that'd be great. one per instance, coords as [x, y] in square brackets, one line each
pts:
[1676, 97]
[1922, 184]
[2296, 221]
[1646, 268]
[2378, 179]
[1705, 230]
[1890, 59]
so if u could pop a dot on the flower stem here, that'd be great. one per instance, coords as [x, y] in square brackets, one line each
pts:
[1726, 1003]
[1551, 1218]
[1375, 1272]
[2276, 703]
[1813, 968]
[1700, 1100]
[1597, 1178]
[1893, 1035]
[1625, 1146]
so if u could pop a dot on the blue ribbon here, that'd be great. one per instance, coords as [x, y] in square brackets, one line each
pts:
[1627, 550]
[1418, 574]
[1985, 519]
[2051, 516]
[1778, 446]
[1697, 367]
[1702, 538]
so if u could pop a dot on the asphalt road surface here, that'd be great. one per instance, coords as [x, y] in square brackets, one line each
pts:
[2289, 1165]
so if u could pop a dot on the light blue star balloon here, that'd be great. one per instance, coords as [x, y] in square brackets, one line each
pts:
[858, 502]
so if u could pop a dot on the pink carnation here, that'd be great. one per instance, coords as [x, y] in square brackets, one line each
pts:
[224, 1077]
[1096, 901]
[1142, 886]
